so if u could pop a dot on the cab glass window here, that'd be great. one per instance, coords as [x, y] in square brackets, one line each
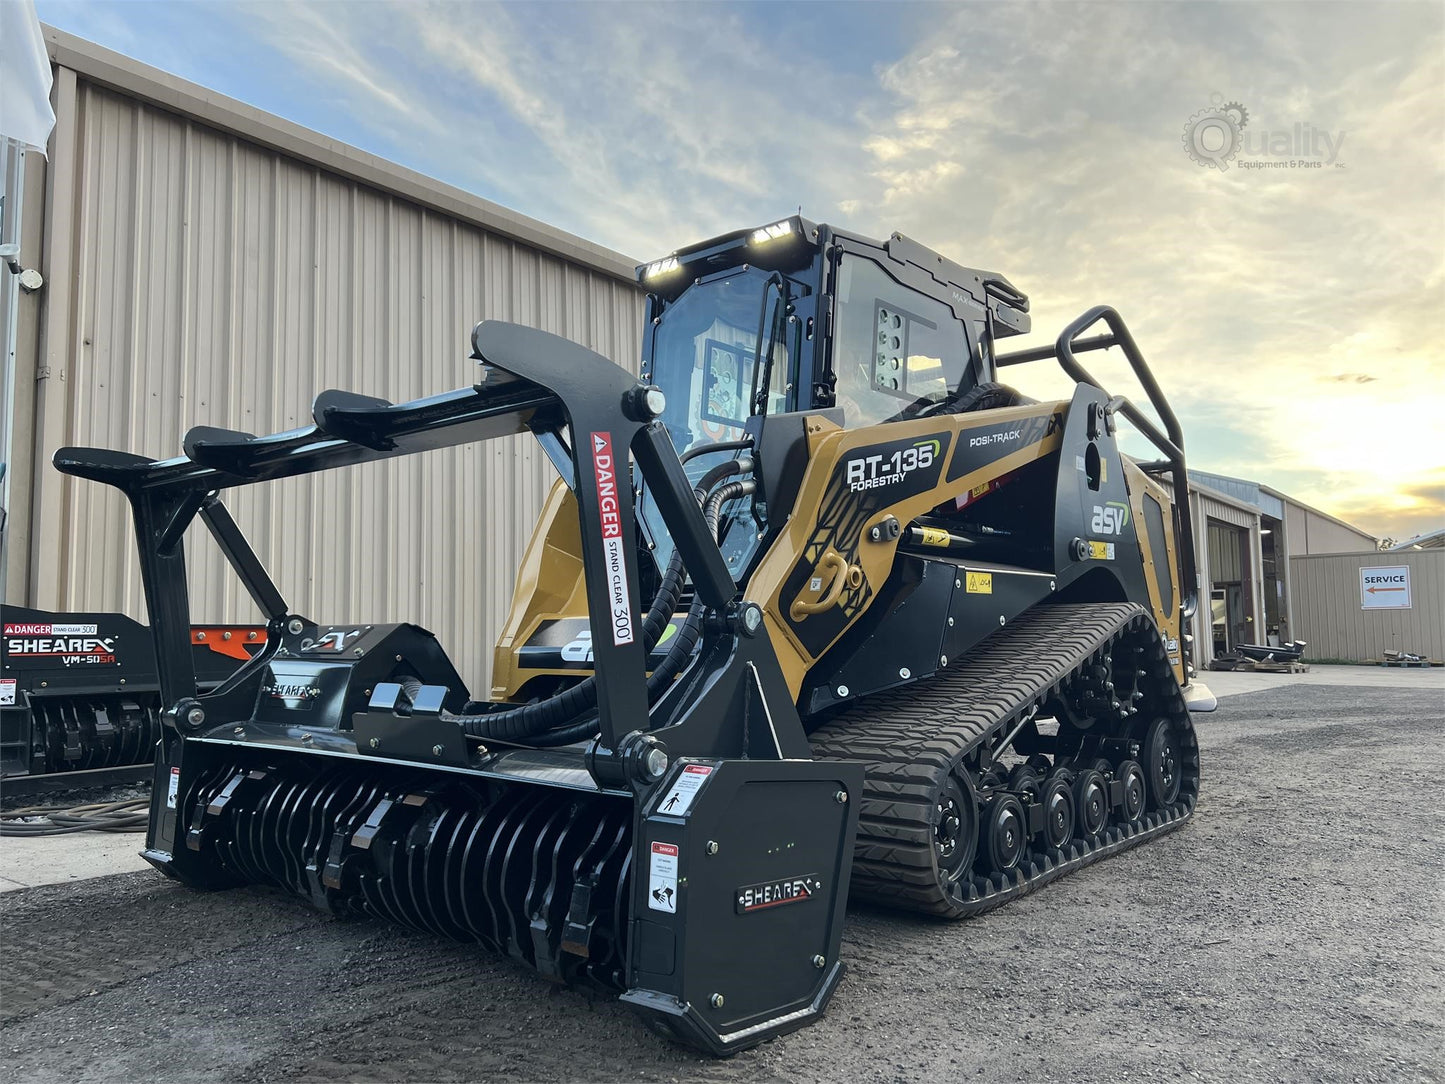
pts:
[895, 351]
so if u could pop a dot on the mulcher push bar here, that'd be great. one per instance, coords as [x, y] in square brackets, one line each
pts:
[532, 381]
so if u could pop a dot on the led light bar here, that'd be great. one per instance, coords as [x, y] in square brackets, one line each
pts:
[660, 267]
[773, 232]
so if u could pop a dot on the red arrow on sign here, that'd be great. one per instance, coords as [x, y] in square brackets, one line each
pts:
[1372, 590]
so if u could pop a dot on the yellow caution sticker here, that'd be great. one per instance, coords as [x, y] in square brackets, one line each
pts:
[979, 583]
[980, 490]
[935, 536]
[1101, 551]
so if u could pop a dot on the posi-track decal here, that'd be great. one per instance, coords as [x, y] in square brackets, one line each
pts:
[43, 644]
[614, 546]
[768, 894]
[982, 445]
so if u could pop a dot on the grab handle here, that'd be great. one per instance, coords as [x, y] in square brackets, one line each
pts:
[832, 563]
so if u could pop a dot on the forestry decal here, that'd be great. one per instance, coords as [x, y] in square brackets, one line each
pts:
[56, 644]
[614, 546]
[884, 468]
[760, 897]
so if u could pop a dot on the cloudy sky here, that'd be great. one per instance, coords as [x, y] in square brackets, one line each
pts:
[1293, 303]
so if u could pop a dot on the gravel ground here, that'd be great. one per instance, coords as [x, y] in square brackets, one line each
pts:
[1291, 931]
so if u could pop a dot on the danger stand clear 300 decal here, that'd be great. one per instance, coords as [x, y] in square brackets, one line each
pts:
[614, 548]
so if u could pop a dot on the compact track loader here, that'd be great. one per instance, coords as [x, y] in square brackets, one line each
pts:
[818, 606]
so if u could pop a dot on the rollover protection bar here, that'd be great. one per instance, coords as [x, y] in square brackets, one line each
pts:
[1065, 350]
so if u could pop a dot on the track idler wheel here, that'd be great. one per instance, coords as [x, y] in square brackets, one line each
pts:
[1057, 799]
[1005, 835]
[955, 834]
[1091, 804]
[1163, 764]
[1131, 778]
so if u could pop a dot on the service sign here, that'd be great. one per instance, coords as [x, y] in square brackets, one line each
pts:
[1385, 588]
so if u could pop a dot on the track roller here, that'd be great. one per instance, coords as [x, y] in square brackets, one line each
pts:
[1091, 804]
[1131, 780]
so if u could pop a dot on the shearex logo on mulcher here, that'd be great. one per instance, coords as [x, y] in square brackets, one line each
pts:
[71, 645]
[760, 897]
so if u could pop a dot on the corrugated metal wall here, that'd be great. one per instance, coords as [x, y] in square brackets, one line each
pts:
[1328, 614]
[216, 281]
[1226, 562]
[1310, 532]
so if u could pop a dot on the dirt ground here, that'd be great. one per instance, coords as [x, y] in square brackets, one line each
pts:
[1291, 931]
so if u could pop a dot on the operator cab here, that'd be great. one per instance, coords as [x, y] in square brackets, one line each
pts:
[868, 331]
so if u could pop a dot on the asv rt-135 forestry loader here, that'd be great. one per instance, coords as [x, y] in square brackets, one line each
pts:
[818, 606]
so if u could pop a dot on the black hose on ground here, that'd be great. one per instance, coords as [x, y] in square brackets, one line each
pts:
[127, 816]
[559, 714]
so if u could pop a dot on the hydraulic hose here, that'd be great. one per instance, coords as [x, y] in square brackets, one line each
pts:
[684, 643]
[124, 816]
[543, 718]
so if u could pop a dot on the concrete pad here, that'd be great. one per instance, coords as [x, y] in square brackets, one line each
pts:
[1233, 682]
[27, 861]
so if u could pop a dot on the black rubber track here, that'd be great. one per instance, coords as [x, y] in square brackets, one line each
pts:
[912, 737]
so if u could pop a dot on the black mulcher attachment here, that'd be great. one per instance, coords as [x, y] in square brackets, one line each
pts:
[817, 605]
[79, 698]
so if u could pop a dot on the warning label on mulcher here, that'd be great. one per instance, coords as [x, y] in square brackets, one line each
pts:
[32, 645]
[614, 546]
[662, 878]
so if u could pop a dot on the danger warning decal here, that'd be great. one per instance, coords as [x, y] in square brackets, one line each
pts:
[51, 644]
[662, 878]
[678, 799]
[614, 546]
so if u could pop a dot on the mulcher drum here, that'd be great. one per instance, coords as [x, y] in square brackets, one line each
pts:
[910, 741]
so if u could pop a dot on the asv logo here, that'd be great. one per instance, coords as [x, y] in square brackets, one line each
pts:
[580, 649]
[1110, 518]
[873, 471]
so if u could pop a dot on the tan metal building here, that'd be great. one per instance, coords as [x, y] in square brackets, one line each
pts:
[1333, 614]
[207, 263]
[1246, 538]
